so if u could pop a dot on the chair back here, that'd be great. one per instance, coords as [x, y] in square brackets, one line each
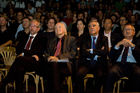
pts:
[8, 55]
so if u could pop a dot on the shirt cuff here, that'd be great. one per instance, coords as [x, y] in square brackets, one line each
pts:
[116, 48]
[133, 48]
[22, 54]
[96, 57]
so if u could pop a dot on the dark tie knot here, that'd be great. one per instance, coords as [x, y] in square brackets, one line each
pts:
[94, 38]
[126, 47]
[31, 37]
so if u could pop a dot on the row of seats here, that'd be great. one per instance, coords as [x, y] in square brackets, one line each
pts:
[9, 55]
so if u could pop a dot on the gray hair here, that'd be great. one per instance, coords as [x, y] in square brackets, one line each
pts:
[64, 27]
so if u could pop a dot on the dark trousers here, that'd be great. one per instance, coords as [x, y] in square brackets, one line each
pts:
[18, 69]
[55, 74]
[119, 70]
[95, 68]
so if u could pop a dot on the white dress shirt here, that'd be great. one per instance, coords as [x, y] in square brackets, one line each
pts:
[109, 38]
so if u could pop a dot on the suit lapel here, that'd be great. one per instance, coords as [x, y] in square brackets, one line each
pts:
[25, 41]
[53, 46]
[64, 44]
[98, 42]
[34, 41]
[88, 41]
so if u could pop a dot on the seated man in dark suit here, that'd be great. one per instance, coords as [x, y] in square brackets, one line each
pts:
[125, 56]
[112, 36]
[93, 54]
[28, 58]
[61, 47]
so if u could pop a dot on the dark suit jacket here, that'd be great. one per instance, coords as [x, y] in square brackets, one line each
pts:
[115, 37]
[25, 63]
[68, 49]
[114, 54]
[100, 43]
[36, 47]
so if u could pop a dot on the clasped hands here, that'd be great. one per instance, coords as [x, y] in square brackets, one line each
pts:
[125, 43]
[53, 59]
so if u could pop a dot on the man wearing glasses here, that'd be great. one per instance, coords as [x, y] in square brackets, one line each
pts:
[125, 58]
[28, 58]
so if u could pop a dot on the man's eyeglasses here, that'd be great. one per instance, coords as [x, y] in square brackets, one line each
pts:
[122, 19]
[128, 29]
[91, 26]
[34, 26]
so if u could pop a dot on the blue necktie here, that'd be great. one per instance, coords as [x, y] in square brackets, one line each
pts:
[93, 47]
[93, 43]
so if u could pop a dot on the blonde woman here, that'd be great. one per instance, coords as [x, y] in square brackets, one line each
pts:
[62, 47]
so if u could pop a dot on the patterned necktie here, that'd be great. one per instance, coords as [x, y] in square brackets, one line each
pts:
[29, 43]
[93, 43]
[124, 55]
[58, 48]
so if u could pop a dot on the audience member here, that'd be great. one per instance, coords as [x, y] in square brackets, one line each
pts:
[22, 34]
[125, 58]
[28, 59]
[61, 47]
[49, 32]
[93, 54]
[6, 36]
[113, 37]
[18, 13]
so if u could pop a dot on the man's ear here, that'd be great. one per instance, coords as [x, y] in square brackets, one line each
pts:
[134, 33]
[99, 27]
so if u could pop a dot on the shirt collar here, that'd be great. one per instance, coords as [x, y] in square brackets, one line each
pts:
[95, 36]
[107, 34]
[33, 35]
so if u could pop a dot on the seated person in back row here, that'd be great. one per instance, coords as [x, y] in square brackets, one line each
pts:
[125, 57]
[6, 36]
